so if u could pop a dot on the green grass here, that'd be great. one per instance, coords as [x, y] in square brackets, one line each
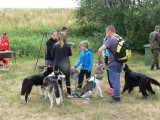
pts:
[36, 18]
[25, 28]
[132, 106]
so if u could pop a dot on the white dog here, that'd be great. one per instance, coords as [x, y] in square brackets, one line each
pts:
[94, 81]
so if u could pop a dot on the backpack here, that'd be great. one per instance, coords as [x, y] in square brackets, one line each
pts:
[123, 51]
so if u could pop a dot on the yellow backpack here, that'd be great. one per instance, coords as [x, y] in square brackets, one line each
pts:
[123, 51]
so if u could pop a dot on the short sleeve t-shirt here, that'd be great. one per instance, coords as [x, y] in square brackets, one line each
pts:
[111, 43]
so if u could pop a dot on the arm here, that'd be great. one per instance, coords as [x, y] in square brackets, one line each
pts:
[159, 39]
[91, 61]
[79, 61]
[69, 50]
[49, 48]
[53, 53]
[100, 51]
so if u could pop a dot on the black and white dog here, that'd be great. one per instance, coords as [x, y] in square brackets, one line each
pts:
[53, 90]
[133, 79]
[94, 81]
[34, 80]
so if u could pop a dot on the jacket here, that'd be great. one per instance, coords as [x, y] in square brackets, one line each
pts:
[49, 45]
[85, 60]
[105, 52]
[4, 44]
[60, 57]
[154, 39]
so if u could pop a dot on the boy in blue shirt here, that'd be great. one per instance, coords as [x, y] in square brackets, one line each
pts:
[86, 62]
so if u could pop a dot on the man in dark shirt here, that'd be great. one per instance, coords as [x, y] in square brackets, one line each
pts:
[49, 45]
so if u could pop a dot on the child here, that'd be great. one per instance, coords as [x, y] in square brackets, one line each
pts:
[86, 61]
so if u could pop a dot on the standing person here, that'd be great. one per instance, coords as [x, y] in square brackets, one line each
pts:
[49, 45]
[86, 62]
[65, 30]
[105, 56]
[115, 68]
[4, 46]
[60, 56]
[154, 40]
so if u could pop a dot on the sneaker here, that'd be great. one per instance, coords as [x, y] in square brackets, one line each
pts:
[70, 96]
[114, 100]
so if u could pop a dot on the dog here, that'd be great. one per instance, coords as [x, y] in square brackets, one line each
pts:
[53, 90]
[133, 79]
[94, 81]
[34, 80]
[74, 74]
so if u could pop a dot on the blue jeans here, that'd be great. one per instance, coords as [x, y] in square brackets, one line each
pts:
[114, 76]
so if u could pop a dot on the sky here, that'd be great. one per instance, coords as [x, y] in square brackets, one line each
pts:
[38, 4]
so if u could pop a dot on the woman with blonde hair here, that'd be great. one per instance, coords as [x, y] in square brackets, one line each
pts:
[60, 56]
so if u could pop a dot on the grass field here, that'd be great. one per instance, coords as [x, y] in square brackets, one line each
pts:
[132, 106]
[25, 28]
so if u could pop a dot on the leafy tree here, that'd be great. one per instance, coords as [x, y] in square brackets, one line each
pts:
[133, 19]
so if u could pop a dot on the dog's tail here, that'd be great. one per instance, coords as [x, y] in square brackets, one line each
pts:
[57, 93]
[23, 89]
[153, 81]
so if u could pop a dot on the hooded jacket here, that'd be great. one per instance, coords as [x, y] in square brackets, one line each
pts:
[85, 60]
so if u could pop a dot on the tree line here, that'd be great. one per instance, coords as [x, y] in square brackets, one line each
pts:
[133, 19]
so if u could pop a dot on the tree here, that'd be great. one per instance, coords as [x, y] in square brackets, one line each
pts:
[133, 19]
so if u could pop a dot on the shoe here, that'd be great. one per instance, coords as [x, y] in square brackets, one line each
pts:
[114, 100]
[70, 96]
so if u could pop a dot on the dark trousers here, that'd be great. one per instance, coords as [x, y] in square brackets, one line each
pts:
[81, 77]
[67, 84]
[106, 62]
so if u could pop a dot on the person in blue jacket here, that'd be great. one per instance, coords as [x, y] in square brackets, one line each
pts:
[86, 62]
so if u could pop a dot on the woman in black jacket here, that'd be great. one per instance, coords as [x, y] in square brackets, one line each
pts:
[49, 45]
[60, 55]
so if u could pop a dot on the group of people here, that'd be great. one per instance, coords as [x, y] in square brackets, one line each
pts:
[59, 51]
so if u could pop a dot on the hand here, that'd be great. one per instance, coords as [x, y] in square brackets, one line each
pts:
[104, 56]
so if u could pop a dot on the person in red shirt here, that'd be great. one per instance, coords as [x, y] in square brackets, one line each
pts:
[4, 46]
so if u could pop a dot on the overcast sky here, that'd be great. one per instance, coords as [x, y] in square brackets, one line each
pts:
[38, 4]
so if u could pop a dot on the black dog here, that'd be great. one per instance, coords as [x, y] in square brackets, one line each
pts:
[142, 81]
[34, 80]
